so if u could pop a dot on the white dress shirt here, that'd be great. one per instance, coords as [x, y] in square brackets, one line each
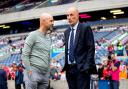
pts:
[75, 28]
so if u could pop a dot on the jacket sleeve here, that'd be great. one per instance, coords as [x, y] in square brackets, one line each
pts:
[89, 39]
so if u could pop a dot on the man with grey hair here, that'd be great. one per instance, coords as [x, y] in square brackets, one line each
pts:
[36, 55]
[79, 52]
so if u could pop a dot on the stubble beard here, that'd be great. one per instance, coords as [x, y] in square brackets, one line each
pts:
[50, 30]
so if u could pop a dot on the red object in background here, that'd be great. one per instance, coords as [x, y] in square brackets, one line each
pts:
[84, 16]
[12, 75]
[105, 73]
[6, 69]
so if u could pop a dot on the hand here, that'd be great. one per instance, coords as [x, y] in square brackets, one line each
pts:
[102, 78]
[60, 44]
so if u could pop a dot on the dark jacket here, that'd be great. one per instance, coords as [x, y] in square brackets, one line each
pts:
[84, 49]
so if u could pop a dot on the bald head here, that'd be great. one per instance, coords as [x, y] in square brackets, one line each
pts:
[45, 16]
[72, 15]
[46, 21]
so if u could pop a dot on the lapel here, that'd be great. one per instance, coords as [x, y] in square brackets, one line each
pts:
[77, 35]
[67, 35]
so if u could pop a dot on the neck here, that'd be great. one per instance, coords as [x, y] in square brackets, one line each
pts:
[74, 24]
[43, 30]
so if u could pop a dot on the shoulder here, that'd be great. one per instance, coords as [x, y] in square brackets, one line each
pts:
[31, 36]
[33, 33]
[67, 30]
[84, 25]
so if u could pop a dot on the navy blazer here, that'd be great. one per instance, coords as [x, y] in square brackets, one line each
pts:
[84, 49]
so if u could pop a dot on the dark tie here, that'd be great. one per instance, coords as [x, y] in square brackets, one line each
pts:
[71, 49]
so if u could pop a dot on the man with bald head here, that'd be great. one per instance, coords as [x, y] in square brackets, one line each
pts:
[79, 52]
[36, 55]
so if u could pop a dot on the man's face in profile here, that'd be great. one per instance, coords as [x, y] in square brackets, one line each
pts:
[50, 23]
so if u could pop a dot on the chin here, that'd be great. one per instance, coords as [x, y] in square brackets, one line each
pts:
[71, 24]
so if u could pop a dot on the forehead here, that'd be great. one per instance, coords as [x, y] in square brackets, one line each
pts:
[50, 18]
[72, 12]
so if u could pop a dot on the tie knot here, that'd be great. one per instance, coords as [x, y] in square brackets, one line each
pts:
[72, 29]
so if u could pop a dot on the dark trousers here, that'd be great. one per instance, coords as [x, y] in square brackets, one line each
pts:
[17, 86]
[23, 85]
[114, 84]
[76, 79]
[3, 86]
